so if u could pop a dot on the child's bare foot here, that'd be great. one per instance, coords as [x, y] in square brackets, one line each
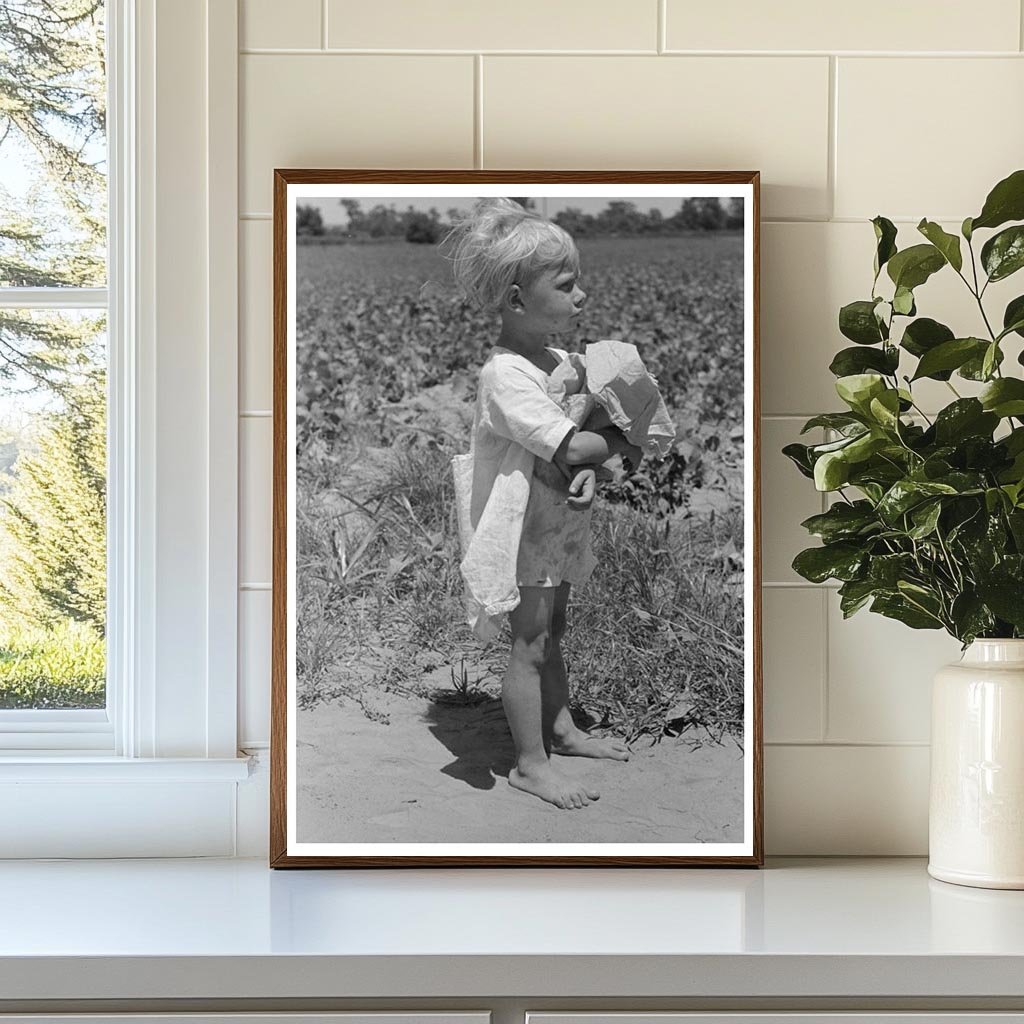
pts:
[579, 744]
[544, 781]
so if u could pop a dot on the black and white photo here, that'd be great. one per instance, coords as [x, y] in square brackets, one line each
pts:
[516, 571]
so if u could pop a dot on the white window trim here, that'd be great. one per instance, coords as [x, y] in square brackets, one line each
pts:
[173, 460]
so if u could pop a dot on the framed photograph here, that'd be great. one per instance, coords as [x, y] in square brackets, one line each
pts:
[516, 559]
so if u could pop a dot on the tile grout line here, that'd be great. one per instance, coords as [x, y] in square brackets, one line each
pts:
[826, 718]
[662, 41]
[478, 111]
[1020, 24]
[258, 51]
[846, 744]
[799, 585]
[323, 24]
[824, 714]
[833, 134]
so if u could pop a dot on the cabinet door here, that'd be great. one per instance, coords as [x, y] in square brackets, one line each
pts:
[785, 1017]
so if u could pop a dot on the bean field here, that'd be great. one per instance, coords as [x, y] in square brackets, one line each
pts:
[387, 357]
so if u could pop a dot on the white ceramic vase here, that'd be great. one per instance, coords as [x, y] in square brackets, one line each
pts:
[976, 812]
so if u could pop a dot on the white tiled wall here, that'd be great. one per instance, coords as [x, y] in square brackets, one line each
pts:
[909, 110]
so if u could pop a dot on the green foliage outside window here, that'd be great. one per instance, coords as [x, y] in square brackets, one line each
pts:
[52, 366]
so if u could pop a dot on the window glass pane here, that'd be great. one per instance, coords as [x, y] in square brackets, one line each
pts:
[53, 150]
[52, 509]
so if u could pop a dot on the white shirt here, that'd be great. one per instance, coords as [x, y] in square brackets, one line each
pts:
[515, 421]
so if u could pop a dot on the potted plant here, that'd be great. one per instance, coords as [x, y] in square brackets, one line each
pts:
[927, 525]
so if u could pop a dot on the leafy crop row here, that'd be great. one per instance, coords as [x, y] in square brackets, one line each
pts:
[386, 366]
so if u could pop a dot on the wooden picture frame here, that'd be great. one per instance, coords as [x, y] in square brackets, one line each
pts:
[361, 338]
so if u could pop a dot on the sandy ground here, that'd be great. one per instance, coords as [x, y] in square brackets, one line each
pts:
[437, 771]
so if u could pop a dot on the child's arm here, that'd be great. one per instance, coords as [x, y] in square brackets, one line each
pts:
[592, 447]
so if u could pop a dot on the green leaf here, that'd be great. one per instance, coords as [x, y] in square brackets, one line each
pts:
[974, 368]
[841, 561]
[1005, 202]
[831, 471]
[1005, 597]
[966, 417]
[887, 570]
[991, 360]
[817, 450]
[1003, 254]
[854, 595]
[885, 236]
[982, 537]
[912, 267]
[1013, 474]
[996, 500]
[799, 454]
[1014, 441]
[949, 356]
[965, 229]
[964, 481]
[850, 361]
[906, 494]
[1015, 519]
[925, 518]
[1013, 318]
[841, 421]
[858, 389]
[857, 322]
[947, 244]
[865, 446]
[934, 467]
[1004, 397]
[970, 617]
[923, 335]
[885, 409]
[1015, 492]
[903, 302]
[872, 491]
[843, 521]
[899, 608]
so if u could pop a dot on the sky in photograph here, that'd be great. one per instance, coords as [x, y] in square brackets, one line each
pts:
[333, 212]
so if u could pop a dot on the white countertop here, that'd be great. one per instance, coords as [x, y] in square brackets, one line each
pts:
[234, 928]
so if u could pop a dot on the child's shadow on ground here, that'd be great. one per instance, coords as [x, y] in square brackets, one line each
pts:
[477, 735]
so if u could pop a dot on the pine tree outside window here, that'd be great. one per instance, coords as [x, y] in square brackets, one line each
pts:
[53, 368]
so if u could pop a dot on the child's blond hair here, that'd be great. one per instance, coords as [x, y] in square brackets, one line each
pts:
[500, 243]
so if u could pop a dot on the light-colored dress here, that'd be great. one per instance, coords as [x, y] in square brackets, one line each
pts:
[515, 526]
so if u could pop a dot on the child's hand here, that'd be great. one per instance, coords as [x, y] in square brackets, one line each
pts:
[582, 489]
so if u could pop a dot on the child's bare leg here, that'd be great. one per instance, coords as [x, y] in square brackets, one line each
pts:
[567, 738]
[524, 707]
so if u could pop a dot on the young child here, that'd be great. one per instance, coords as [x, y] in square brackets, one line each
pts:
[526, 487]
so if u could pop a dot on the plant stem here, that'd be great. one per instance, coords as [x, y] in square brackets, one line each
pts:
[974, 269]
[924, 415]
[949, 561]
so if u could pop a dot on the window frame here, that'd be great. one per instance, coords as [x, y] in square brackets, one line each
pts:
[173, 467]
[54, 731]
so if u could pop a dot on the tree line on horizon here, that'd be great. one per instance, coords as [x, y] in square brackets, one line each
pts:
[619, 217]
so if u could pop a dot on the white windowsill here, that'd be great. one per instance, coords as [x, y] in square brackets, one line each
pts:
[76, 766]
